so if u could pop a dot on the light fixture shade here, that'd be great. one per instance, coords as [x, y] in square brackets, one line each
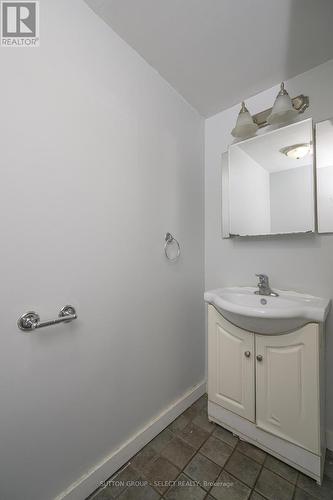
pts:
[297, 151]
[245, 126]
[283, 110]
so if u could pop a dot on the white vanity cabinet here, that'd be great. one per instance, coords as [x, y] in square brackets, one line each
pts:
[287, 386]
[268, 389]
[231, 367]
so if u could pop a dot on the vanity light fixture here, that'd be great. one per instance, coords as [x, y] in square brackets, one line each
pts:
[297, 151]
[299, 104]
[245, 126]
[283, 110]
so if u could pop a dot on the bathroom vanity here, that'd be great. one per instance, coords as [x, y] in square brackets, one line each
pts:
[266, 365]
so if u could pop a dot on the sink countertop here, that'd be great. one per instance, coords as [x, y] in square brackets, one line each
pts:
[293, 309]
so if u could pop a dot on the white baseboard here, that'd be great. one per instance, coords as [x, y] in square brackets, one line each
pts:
[90, 481]
[329, 439]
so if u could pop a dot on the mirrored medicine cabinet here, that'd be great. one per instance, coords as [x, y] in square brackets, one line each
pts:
[324, 172]
[280, 182]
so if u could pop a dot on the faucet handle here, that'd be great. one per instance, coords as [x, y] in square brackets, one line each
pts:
[263, 278]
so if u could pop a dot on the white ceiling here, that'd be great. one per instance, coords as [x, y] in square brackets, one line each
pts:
[266, 149]
[217, 52]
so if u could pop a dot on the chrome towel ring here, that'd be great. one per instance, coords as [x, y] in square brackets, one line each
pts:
[169, 240]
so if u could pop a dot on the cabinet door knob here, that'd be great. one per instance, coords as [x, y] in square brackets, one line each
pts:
[247, 354]
[259, 357]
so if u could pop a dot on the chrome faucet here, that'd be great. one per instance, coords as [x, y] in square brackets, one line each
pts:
[264, 288]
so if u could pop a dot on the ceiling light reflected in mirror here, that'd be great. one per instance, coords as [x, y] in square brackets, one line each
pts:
[297, 151]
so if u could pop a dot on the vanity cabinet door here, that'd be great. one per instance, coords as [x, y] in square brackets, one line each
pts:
[230, 366]
[287, 386]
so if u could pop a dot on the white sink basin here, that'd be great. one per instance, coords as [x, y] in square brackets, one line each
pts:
[265, 314]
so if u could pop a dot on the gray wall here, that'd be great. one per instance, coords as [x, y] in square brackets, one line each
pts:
[302, 263]
[100, 157]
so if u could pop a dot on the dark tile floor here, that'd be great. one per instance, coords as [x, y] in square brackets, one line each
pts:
[194, 459]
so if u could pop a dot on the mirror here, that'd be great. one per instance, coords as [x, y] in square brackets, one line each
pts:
[324, 167]
[270, 183]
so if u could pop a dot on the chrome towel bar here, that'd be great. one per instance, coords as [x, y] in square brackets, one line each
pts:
[31, 320]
